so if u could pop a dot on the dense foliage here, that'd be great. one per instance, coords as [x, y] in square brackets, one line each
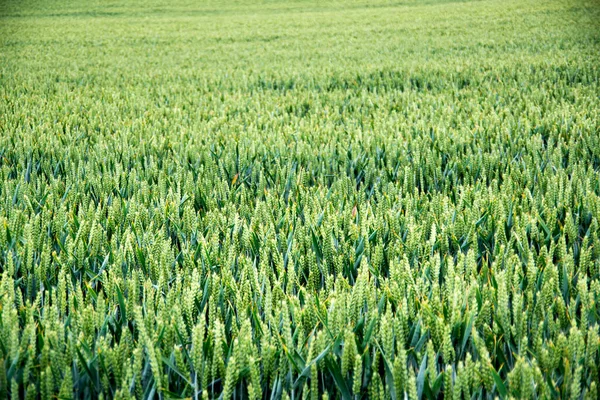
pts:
[300, 200]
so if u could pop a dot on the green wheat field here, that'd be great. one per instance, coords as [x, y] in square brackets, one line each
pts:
[300, 199]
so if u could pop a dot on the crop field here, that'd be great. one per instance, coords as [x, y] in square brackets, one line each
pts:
[300, 199]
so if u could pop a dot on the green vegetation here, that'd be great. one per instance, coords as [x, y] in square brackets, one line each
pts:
[299, 200]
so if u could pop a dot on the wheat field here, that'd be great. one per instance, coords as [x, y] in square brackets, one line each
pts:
[300, 199]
